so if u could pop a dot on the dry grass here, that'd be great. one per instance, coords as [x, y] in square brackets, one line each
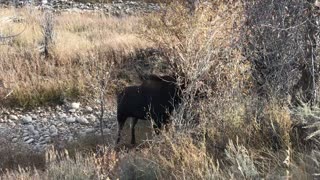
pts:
[78, 39]
[230, 134]
[15, 156]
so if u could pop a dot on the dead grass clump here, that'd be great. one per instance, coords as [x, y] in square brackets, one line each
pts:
[79, 167]
[173, 159]
[18, 156]
[80, 41]
[59, 166]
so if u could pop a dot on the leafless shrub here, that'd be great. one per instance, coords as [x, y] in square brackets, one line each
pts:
[48, 32]
[100, 66]
[198, 48]
[280, 40]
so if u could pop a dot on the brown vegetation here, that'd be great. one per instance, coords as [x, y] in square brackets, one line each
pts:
[236, 133]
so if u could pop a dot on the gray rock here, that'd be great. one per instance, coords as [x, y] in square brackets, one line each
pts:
[30, 128]
[53, 130]
[26, 119]
[37, 147]
[62, 116]
[91, 118]
[82, 134]
[31, 140]
[88, 109]
[72, 110]
[14, 140]
[13, 117]
[106, 131]
[75, 105]
[12, 124]
[82, 120]
[70, 119]
[46, 133]
[36, 134]
[90, 130]
[70, 139]
[26, 138]
[44, 120]
[60, 124]
[47, 139]
[41, 138]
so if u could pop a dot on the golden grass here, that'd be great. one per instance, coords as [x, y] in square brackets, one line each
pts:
[240, 136]
[77, 40]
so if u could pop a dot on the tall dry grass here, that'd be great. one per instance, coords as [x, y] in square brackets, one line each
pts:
[231, 133]
[77, 41]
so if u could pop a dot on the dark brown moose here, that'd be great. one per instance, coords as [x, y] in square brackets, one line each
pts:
[155, 98]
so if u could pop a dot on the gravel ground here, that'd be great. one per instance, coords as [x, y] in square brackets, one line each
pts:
[117, 8]
[38, 128]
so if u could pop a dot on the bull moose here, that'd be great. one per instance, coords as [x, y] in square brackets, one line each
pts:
[155, 98]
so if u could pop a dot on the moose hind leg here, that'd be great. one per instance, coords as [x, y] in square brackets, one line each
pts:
[121, 121]
[133, 137]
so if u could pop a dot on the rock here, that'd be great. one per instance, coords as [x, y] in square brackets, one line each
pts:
[82, 120]
[41, 138]
[70, 139]
[62, 116]
[90, 130]
[12, 124]
[26, 119]
[36, 133]
[46, 133]
[82, 133]
[14, 140]
[53, 130]
[13, 117]
[47, 139]
[30, 141]
[30, 127]
[34, 117]
[25, 134]
[70, 119]
[75, 105]
[37, 147]
[44, 119]
[91, 118]
[60, 124]
[5, 112]
[44, 140]
[106, 131]
[26, 138]
[88, 109]
[72, 110]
